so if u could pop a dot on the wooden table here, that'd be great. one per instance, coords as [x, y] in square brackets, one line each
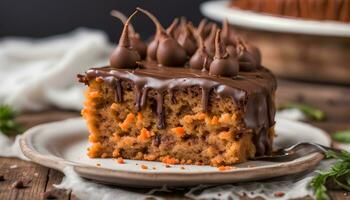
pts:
[335, 100]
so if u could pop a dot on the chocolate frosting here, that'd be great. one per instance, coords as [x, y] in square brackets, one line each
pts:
[138, 45]
[171, 30]
[124, 56]
[187, 40]
[228, 37]
[223, 64]
[210, 40]
[255, 52]
[168, 51]
[135, 40]
[201, 59]
[202, 28]
[247, 61]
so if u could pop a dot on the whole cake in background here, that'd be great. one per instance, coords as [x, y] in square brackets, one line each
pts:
[338, 10]
[193, 95]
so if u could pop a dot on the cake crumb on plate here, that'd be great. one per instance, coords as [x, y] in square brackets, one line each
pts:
[144, 167]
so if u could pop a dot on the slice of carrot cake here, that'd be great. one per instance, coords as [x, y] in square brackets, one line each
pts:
[199, 96]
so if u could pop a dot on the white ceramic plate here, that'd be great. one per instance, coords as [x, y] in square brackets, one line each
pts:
[218, 10]
[64, 143]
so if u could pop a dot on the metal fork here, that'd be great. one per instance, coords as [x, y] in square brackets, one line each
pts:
[295, 151]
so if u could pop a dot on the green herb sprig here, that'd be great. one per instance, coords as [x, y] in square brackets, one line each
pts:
[342, 136]
[310, 111]
[339, 174]
[8, 125]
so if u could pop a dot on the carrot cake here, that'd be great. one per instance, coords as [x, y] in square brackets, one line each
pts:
[198, 96]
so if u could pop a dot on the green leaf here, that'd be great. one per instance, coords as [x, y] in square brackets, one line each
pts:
[6, 112]
[309, 111]
[8, 125]
[339, 173]
[342, 136]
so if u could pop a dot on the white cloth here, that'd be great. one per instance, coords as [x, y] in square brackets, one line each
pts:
[85, 189]
[35, 74]
[291, 114]
[9, 147]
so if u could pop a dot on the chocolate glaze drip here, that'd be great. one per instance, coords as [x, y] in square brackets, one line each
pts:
[250, 93]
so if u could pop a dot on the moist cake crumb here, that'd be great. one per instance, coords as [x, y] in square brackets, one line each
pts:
[144, 167]
[120, 160]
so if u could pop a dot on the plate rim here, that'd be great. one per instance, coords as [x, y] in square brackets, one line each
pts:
[260, 21]
[148, 175]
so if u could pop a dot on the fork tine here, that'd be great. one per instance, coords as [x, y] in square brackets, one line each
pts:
[295, 151]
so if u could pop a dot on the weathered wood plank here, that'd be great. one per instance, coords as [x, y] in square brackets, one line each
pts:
[55, 177]
[334, 100]
[339, 195]
[32, 175]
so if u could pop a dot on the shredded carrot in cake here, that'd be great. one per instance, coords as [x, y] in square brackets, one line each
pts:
[187, 119]
[114, 106]
[144, 134]
[99, 79]
[214, 120]
[127, 122]
[225, 135]
[179, 131]
[169, 160]
[104, 155]
[225, 118]
[93, 138]
[94, 94]
[223, 168]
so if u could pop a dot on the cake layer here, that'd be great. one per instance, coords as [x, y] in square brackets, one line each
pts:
[157, 113]
[118, 128]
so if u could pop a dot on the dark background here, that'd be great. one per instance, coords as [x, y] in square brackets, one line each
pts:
[40, 18]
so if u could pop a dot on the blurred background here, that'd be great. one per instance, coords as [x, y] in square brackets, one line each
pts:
[40, 18]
